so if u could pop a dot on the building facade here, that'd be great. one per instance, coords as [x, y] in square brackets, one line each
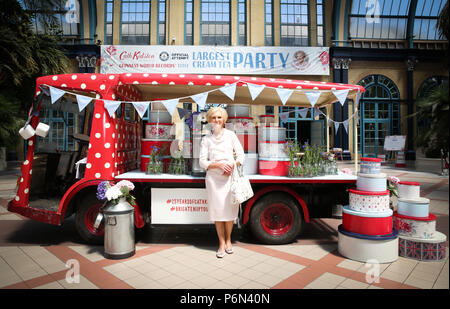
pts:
[392, 48]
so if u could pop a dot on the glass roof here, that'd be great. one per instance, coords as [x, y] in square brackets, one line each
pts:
[388, 19]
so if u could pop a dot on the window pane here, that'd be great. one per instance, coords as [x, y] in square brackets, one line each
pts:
[135, 19]
[215, 25]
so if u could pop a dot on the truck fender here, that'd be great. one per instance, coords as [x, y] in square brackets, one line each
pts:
[295, 195]
[84, 184]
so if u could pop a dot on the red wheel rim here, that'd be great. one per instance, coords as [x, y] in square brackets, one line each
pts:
[89, 220]
[277, 219]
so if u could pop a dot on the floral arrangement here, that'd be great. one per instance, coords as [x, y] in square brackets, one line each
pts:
[155, 165]
[392, 185]
[113, 193]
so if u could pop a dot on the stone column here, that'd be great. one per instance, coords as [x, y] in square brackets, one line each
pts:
[410, 153]
[337, 110]
[344, 79]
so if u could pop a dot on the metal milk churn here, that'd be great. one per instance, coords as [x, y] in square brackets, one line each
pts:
[119, 230]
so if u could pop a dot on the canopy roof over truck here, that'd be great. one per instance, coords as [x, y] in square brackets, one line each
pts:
[152, 86]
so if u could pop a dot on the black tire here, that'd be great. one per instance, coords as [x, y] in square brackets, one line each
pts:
[276, 219]
[85, 217]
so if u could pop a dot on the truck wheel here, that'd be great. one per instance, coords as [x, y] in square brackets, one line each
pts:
[85, 216]
[275, 219]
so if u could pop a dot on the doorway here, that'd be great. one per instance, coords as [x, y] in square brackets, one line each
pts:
[303, 132]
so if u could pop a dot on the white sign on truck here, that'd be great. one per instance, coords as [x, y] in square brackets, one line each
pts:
[180, 206]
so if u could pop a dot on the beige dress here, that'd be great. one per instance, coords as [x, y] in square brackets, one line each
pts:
[220, 149]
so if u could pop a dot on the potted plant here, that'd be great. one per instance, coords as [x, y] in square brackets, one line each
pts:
[155, 164]
[292, 149]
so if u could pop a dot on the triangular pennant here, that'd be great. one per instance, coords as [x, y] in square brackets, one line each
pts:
[313, 96]
[284, 94]
[141, 107]
[316, 112]
[255, 90]
[303, 112]
[111, 106]
[346, 126]
[284, 116]
[341, 95]
[170, 105]
[200, 99]
[55, 94]
[229, 90]
[336, 127]
[83, 101]
[182, 112]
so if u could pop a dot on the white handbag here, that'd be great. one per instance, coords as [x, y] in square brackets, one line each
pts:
[241, 189]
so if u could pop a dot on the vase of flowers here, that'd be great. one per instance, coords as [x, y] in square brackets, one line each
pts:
[113, 193]
[292, 148]
[118, 214]
[155, 164]
[177, 166]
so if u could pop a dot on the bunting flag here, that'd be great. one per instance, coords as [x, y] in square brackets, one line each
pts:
[111, 106]
[55, 94]
[83, 101]
[336, 127]
[313, 96]
[200, 99]
[170, 105]
[316, 112]
[345, 123]
[303, 112]
[229, 91]
[284, 94]
[284, 116]
[182, 112]
[141, 107]
[255, 90]
[341, 95]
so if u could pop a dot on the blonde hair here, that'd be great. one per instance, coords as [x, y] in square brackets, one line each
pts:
[213, 110]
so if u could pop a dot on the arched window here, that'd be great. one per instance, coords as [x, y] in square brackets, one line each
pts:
[379, 113]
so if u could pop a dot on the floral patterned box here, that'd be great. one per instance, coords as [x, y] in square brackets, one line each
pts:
[423, 228]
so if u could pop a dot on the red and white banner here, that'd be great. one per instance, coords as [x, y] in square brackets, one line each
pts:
[180, 206]
[234, 60]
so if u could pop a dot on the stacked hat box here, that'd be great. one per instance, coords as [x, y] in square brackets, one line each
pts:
[416, 226]
[400, 161]
[273, 159]
[240, 122]
[366, 232]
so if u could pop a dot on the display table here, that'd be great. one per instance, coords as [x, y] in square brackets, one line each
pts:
[139, 176]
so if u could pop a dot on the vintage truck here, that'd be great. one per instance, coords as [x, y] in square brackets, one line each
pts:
[56, 182]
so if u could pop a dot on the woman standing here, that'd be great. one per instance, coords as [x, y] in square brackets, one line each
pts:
[217, 158]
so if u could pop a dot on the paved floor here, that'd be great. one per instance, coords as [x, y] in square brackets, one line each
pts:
[40, 256]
